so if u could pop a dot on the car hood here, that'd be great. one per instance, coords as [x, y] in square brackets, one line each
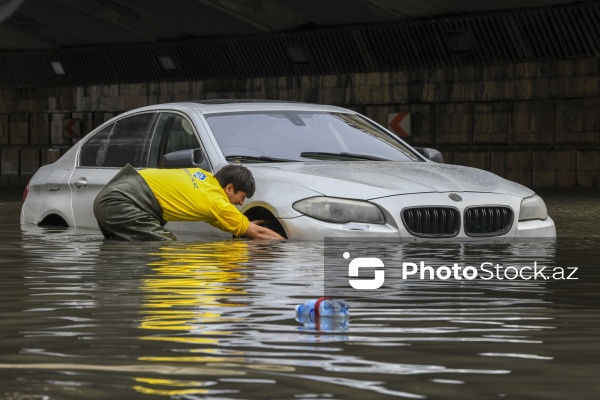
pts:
[375, 179]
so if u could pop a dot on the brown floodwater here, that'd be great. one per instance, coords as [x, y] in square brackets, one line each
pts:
[84, 318]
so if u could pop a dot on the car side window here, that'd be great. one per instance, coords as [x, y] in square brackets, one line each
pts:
[118, 144]
[173, 132]
[93, 150]
[127, 141]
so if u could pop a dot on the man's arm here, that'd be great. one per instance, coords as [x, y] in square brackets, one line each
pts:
[256, 231]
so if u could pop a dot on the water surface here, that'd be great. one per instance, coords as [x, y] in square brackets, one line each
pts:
[88, 318]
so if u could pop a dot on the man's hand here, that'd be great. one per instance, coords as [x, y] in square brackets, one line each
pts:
[256, 231]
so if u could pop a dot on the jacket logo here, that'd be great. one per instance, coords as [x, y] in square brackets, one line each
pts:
[200, 175]
[455, 196]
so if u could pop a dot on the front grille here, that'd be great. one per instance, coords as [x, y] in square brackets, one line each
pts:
[488, 221]
[431, 221]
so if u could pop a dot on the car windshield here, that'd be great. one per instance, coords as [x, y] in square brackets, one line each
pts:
[277, 136]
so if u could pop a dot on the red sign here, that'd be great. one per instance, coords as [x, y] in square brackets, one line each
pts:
[72, 127]
[399, 123]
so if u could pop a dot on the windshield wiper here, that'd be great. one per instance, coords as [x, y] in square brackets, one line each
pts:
[257, 159]
[322, 155]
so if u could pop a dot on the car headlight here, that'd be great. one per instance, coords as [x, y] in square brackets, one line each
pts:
[338, 210]
[533, 207]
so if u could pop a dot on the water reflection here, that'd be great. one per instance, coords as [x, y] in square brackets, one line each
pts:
[193, 296]
[190, 282]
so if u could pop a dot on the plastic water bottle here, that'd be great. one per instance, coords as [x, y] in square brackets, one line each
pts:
[323, 324]
[323, 307]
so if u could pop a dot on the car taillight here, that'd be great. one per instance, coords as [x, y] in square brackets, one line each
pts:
[25, 192]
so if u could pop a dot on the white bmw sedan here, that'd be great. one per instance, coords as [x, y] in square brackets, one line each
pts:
[321, 172]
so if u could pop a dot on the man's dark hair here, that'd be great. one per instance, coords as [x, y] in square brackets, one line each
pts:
[239, 176]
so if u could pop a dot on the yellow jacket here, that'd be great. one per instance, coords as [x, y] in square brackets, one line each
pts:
[191, 194]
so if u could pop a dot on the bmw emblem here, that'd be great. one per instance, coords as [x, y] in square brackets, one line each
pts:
[455, 197]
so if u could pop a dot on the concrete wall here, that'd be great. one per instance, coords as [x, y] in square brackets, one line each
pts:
[535, 123]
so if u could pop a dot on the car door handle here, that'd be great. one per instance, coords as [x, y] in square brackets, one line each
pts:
[80, 183]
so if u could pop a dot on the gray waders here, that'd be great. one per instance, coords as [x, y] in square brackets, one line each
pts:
[126, 209]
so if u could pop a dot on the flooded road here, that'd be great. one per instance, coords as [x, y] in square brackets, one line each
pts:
[84, 318]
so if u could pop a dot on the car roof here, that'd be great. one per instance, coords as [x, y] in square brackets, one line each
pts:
[233, 105]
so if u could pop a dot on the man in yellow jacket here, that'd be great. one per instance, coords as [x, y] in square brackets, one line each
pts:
[136, 205]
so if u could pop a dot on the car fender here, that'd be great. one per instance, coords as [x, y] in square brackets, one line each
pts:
[278, 197]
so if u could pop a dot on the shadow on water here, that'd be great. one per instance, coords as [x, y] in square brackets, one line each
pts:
[87, 318]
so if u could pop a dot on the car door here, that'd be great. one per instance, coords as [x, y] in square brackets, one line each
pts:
[174, 132]
[102, 156]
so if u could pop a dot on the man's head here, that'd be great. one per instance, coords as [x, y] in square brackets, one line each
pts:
[237, 182]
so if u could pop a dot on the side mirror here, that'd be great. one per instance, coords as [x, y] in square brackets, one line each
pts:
[190, 158]
[431, 154]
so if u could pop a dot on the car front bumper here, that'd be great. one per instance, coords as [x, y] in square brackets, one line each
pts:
[307, 228]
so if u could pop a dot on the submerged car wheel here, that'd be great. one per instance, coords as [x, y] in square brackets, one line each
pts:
[53, 220]
[259, 213]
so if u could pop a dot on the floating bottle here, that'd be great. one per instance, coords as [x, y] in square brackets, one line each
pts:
[323, 307]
